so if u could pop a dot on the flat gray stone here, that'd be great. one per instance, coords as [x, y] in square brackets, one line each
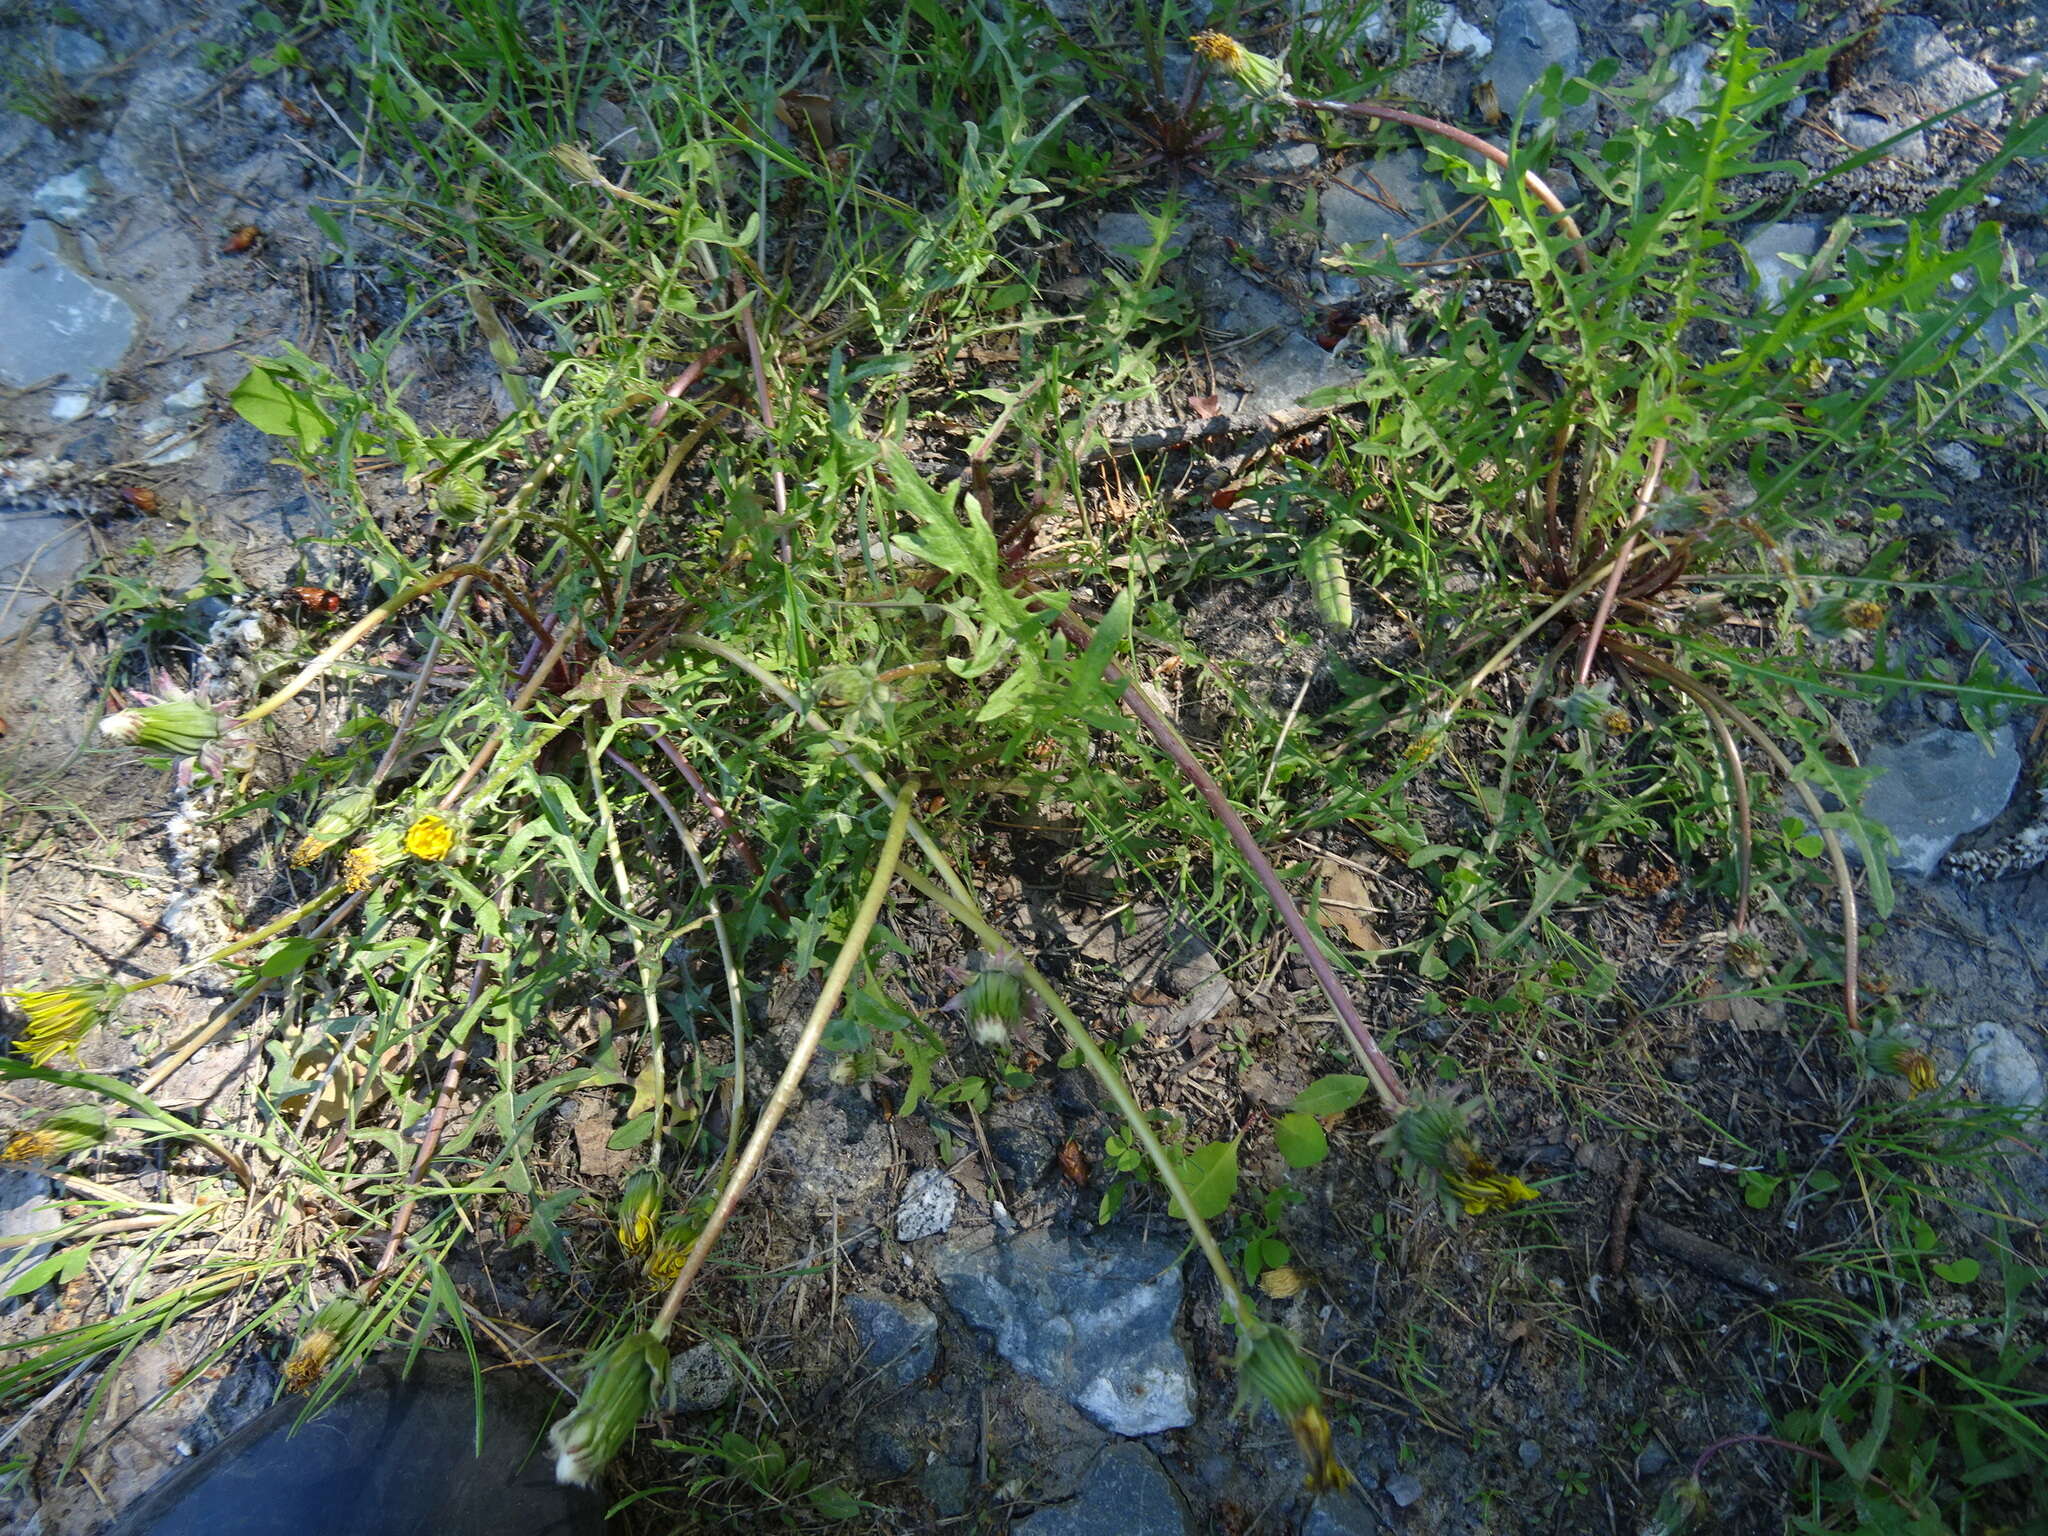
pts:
[1529, 37]
[24, 1211]
[2002, 1069]
[1090, 1317]
[1689, 85]
[1341, 1514]
[700, 1379]
[71, 53]
[835, 1153]
[1774, 277]
[60, 323]
[1287, 159]
[1378, 205]
[39, 553]
[1404, 1488]
[1910, 51]
[1126, 1493]
[1935, 788]
[67, 199]
[946, 1486]
[930, 1201]
[899, 1339]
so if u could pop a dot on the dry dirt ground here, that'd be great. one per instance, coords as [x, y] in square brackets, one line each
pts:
[1530, 1378]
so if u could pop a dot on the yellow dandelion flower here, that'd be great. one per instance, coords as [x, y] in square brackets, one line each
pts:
[1862, 613]
[1617, 722]
[59, 1018]
[639, 1209]
[429, 838]
[1917, 1067]
[672, 1247]
[1281, 1283]
[1217, 48]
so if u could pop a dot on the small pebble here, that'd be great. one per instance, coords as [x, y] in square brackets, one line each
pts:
[1683, 1069]
[1404, 1488]
[1529, 1452]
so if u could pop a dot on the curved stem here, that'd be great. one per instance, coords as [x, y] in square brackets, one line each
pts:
[789, 1087]
[1645, 493]
[1845, 884]
[1386, 1081]
[1443, 130]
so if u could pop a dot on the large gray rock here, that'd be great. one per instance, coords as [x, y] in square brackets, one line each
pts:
[1127, 1493]
[1935, 788]
[1091, 1317]
[898, 1339]
[1530, 36]
[24, 1212]
[59, 322]
[2003, 1070]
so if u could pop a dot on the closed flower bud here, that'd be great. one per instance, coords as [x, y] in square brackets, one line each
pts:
[57, 1135]
[670, 1250]
[179, 726]
[1593, 708]
[620, 1390]
[994, 1003]
[1272, 1365]
[1844, 618]
[1896, 1056]
[639, 1210]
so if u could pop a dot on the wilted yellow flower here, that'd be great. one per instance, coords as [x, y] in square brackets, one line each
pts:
[1272, 1365]
[620, 1389]
[1430, 1141]
[429, 838]
[1480, 1187]
[639, 1209]
[59, 1018]
[358, 868]
[1255, 72]
[58, 1134]
[1281, 1283]
[326, 1332]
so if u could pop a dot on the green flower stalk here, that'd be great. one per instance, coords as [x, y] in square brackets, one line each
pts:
[1431, 1143]
[57, 1135]
[1896, 1056]
[321, 1340]
[182, 726]
[639, 1210]
[624, 1376]
[60, 1018]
